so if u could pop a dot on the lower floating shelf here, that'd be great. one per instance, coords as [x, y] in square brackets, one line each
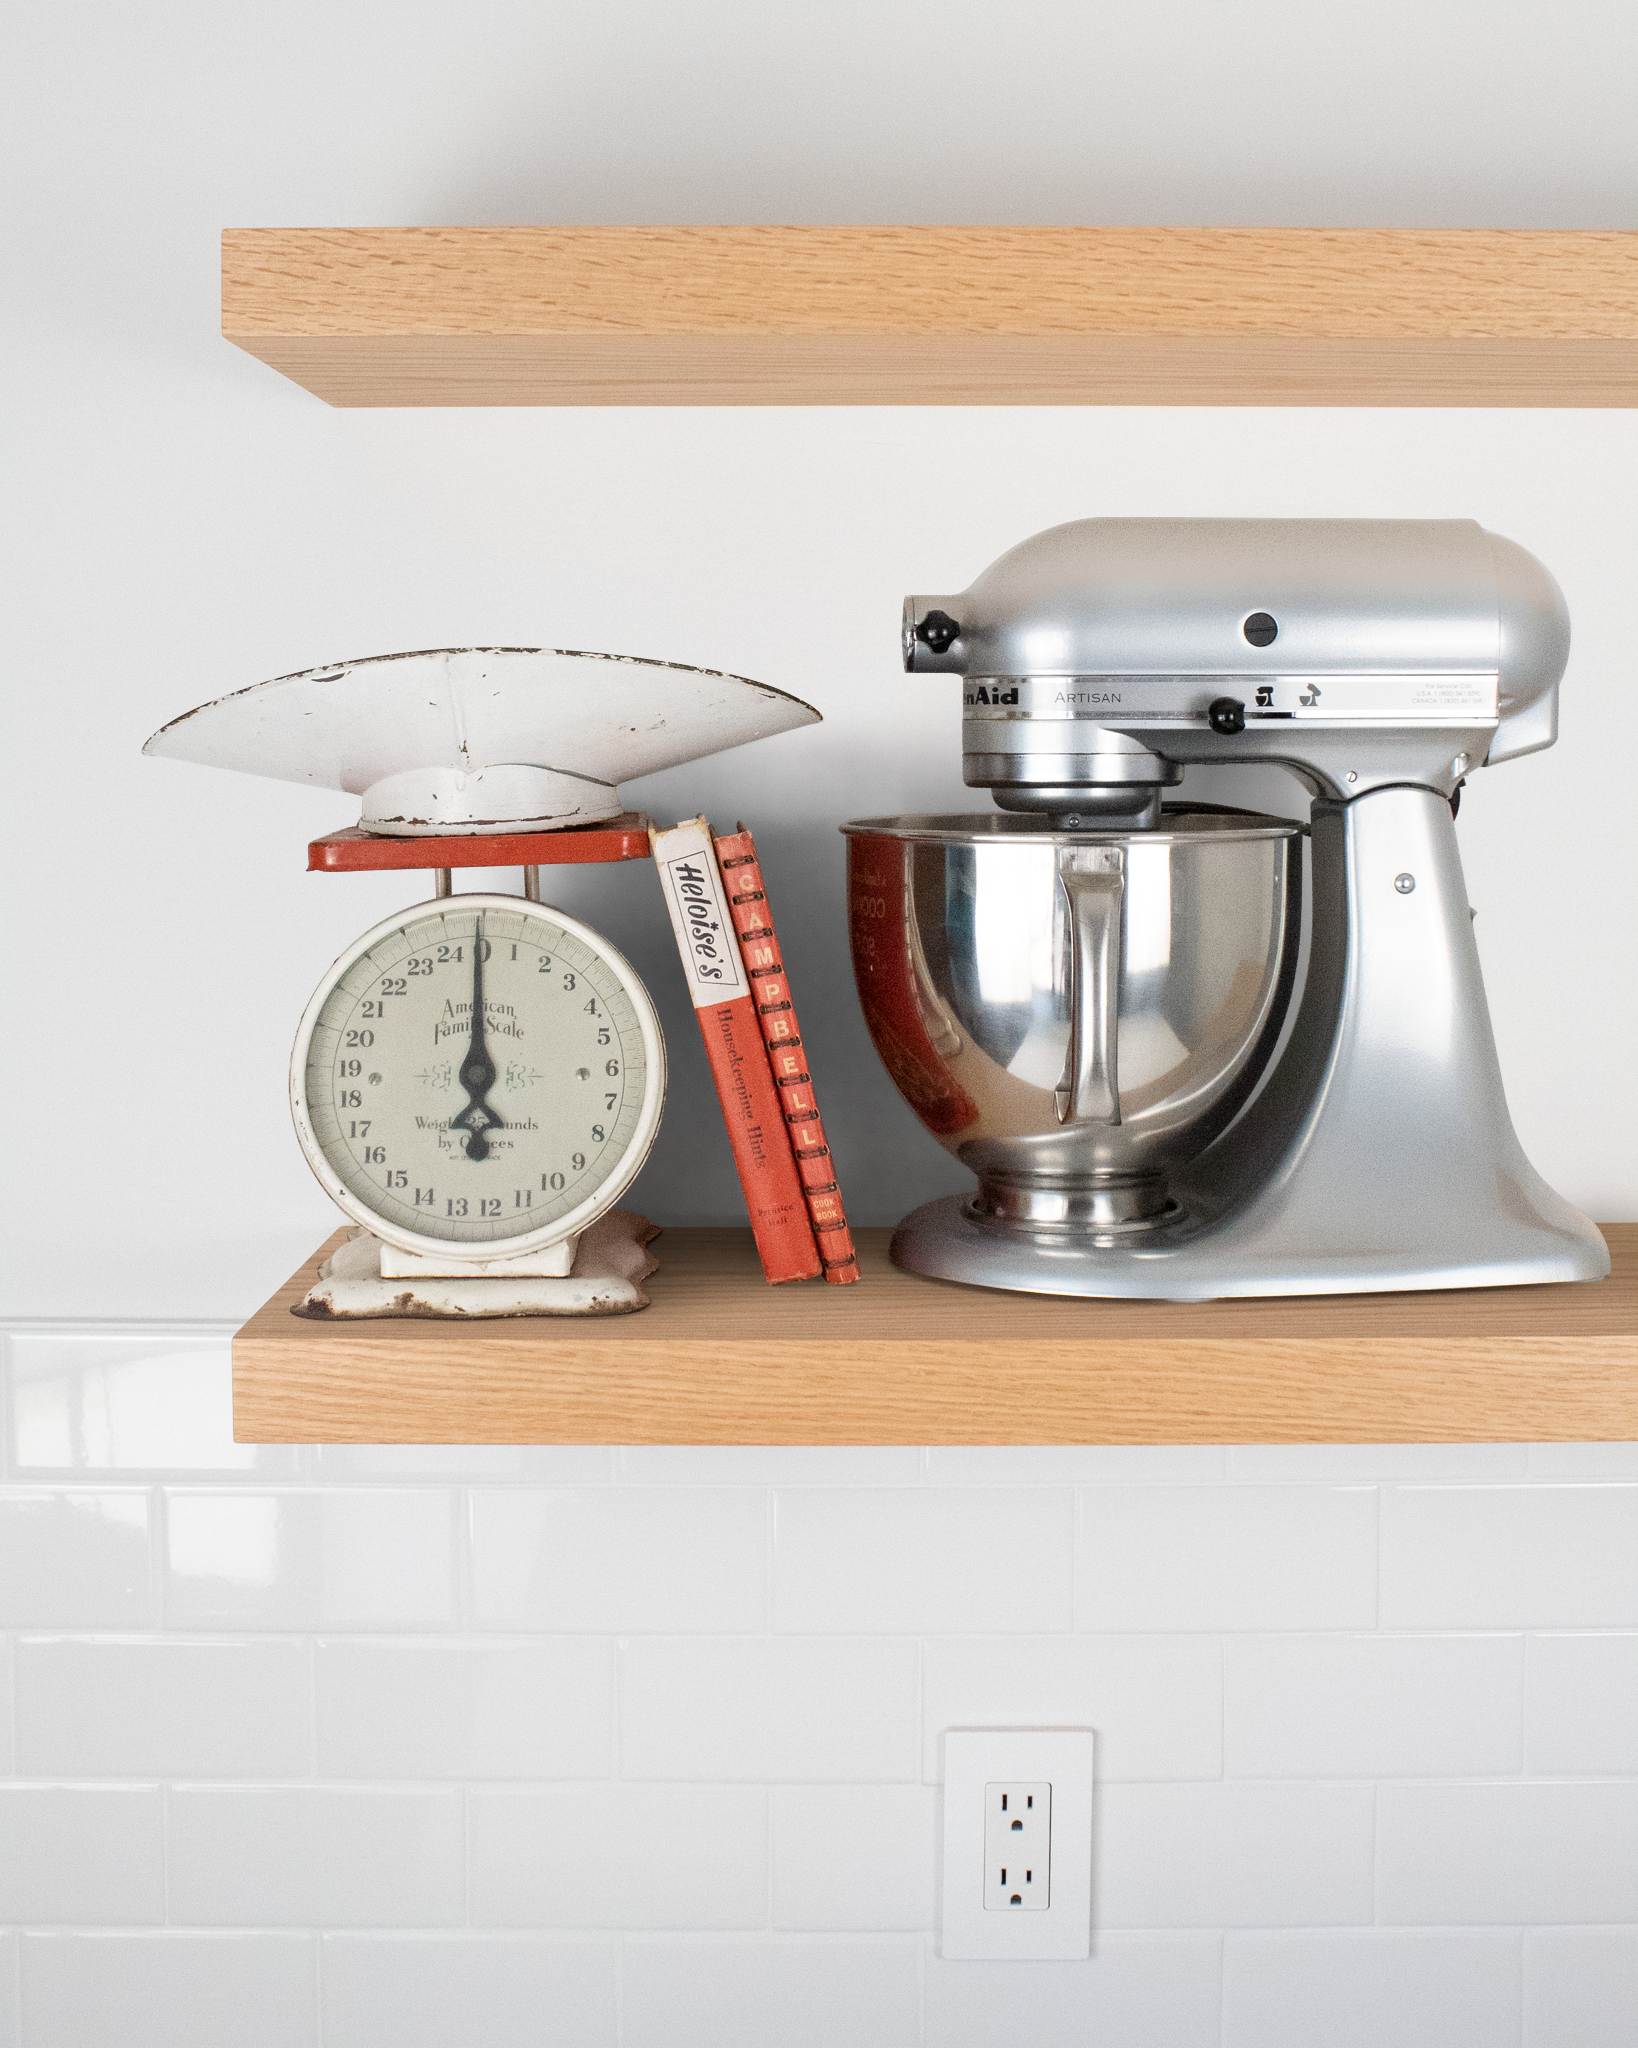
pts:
[722, 1358]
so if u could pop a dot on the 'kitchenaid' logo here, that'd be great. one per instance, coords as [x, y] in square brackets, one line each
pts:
[996, 696]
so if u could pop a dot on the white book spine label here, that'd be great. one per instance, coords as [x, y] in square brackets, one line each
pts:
[694, 895]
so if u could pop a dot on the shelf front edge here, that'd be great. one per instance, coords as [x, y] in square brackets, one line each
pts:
[413, 370]
[1120, 1391]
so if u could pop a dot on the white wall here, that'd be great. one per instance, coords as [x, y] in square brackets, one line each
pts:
[289, 1730]
[184, 522]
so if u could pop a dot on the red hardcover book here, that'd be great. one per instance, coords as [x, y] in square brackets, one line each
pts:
[726, 1010]
[770, 985]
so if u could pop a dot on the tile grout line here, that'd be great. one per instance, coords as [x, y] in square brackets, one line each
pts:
[311, 1732]
[1222, 1988]
[465, 1580]
[6, 1413]
[165, 1791]
[1222, 1711]
[466, 1857]
[768, 1792]
[1376, 1854]
[318, 1987]
[770, 1558]
[1074, 1560]
[922, 1946]
[1376, 1576]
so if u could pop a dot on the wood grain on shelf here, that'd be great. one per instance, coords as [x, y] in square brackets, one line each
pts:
[721, 1358]
[939, 315]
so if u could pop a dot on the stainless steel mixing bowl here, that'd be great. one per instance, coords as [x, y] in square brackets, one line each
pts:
[1073, 1014]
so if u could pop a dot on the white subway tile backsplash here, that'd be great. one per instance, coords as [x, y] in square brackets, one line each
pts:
[765, 1708]
[468, 1991]
[1074, 1464]
[423, 1797]
[327, 1857]
[75, 1558]
[1509, 1557]
[7, 1743]
[1372, 1706]
[82, 1853]
[1581, 1987]
[853, 1858]
[755, 1994]
[105, 1401]
[1289, 1462]
[364, 1558]
[465, 1709]
[163, 1709]
[1226, 1557]
[643, 1559]
[1156, 1702]
[179, 1990]
[771, 1464]
[1232, 1856]
[1581, 1706]
[1507, 1855]
[1138, 1991]
[1371, 1989]
[453, 1464]
[991, 1560]
[619, 1856]
[1583, 1461]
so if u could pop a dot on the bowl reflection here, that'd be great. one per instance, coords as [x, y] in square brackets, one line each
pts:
[1074, 1013]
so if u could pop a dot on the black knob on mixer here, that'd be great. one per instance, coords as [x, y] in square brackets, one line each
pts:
[938, 631]
[1227, 714]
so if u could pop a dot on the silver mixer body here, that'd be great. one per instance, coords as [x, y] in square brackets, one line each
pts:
[1091, 999]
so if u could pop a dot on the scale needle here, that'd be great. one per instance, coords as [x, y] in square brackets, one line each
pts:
[477, 1074]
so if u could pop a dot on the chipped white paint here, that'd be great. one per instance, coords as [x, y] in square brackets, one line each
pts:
[476, 739]
[610, 1263]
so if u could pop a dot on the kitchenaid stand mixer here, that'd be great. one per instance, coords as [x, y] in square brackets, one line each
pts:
[1086, 997]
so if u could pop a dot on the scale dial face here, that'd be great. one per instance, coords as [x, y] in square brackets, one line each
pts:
[481, 1072]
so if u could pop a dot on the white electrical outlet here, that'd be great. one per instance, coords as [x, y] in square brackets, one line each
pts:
[1017, 1844]
[1018, 1847]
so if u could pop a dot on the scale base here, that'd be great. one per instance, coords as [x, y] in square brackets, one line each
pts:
[1236, 1254]
[611, 1261]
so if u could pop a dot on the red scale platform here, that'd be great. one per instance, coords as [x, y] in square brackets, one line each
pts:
[352, 851]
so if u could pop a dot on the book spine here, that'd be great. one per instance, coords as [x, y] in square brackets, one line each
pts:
[726, 1012]
[764, 963]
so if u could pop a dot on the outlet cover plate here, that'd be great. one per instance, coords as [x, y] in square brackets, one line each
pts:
[974, 1760]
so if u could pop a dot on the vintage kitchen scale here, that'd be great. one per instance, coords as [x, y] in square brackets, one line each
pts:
[477, 1080]
[1089, 998]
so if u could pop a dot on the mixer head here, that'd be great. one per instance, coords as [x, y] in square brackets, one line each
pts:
[1102, 656]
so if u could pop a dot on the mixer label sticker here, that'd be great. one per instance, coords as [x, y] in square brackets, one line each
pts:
[1384, 699]
[1391, 699]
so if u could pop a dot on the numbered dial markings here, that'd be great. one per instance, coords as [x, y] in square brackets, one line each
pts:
[478, 1074]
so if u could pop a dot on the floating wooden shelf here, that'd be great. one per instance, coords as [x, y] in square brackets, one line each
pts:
[722, 1358]
[939, 315]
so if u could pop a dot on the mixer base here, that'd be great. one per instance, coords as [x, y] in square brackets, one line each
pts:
[1199, 1260]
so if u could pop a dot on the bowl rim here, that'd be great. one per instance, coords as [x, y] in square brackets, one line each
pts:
[1214, 824]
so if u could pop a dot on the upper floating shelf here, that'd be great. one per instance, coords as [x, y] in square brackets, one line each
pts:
[939, 316]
